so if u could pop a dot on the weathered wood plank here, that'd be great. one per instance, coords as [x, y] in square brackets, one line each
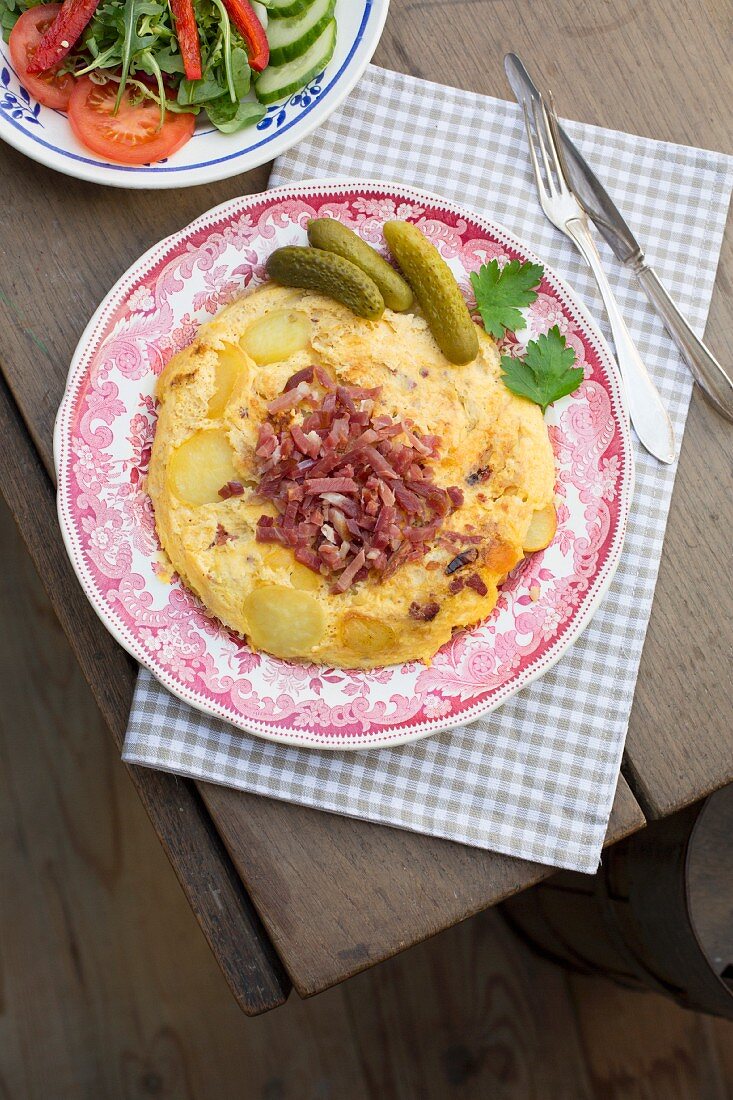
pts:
[338, 895]
[214, 891]
[680, 741]
[109, 991]
[638, 1045]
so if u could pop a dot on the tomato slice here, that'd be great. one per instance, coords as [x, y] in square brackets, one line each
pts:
[48, 88]
[133, 135]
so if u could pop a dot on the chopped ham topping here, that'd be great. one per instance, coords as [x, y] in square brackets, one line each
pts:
[309, 444]
[326, 381]
[308, 557]
[331, 485]
[450, 538]
[475, 582]
[348, 576]
[472, 581]
[221, 536]
[354, 491]
[290, 399]
[231, 489]
[305, 375]
[424, 612]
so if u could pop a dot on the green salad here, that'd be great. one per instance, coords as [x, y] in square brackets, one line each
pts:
[115, 66]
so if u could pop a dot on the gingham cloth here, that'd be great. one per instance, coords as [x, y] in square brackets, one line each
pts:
[537, 777]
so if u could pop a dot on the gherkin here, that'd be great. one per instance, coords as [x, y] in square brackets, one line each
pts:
[329, 274]
[334, 237]
[436, 290]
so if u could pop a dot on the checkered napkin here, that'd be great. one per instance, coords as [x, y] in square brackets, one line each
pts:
[537, 777]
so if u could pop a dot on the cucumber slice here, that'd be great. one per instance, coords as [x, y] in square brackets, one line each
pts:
[280, 81]
[261, 12]
[290, 38]
[282, 9]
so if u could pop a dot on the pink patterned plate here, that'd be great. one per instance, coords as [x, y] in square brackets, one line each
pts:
[102, 443]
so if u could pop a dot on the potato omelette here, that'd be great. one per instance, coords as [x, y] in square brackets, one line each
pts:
[333, 489]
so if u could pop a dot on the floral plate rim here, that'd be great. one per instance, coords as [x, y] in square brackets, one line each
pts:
[399, 732]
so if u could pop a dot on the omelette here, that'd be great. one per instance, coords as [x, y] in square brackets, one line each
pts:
[333, 489]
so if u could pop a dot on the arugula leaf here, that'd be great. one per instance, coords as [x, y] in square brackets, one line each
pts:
[546, 373]
[199, 91]
[240, 72]
[149, 60]
[11, 11]
[501, 293]
[133, 42]
[230, 117]
[167, 60]
[227, 49]
[213, 84]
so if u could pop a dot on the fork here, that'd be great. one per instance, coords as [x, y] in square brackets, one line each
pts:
[646, 410]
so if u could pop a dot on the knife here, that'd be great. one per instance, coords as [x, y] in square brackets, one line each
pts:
[601, 209]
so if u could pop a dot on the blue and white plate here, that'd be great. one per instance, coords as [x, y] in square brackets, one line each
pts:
[45, 135]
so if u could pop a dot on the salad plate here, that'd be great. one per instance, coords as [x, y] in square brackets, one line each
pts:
[103, 437]
[45, 135]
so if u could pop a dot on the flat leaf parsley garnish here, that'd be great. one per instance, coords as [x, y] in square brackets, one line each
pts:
[502, 292]
[546, 373]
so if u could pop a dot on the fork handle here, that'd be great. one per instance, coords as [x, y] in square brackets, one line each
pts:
[706, 370]
[646, 410]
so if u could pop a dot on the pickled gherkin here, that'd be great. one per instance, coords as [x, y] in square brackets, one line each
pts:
[436, 290]
[329, 274]
[328, 234]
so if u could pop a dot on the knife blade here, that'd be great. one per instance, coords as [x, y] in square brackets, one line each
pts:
[592, 195]
[602, 210]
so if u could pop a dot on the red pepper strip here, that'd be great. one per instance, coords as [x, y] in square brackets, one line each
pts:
[244, 19]
[62, 35]
[188, 37]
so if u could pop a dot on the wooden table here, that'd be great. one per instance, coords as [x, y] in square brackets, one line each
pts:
[291, 896]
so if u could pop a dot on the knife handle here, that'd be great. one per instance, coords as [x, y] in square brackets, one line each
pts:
[706, 370]
[646, 409]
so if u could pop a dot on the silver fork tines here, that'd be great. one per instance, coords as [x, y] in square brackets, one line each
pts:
[536, 109]
[646, 411]
[557, 200]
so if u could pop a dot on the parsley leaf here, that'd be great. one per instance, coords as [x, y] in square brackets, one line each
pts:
[501, 293]
[546, 373]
